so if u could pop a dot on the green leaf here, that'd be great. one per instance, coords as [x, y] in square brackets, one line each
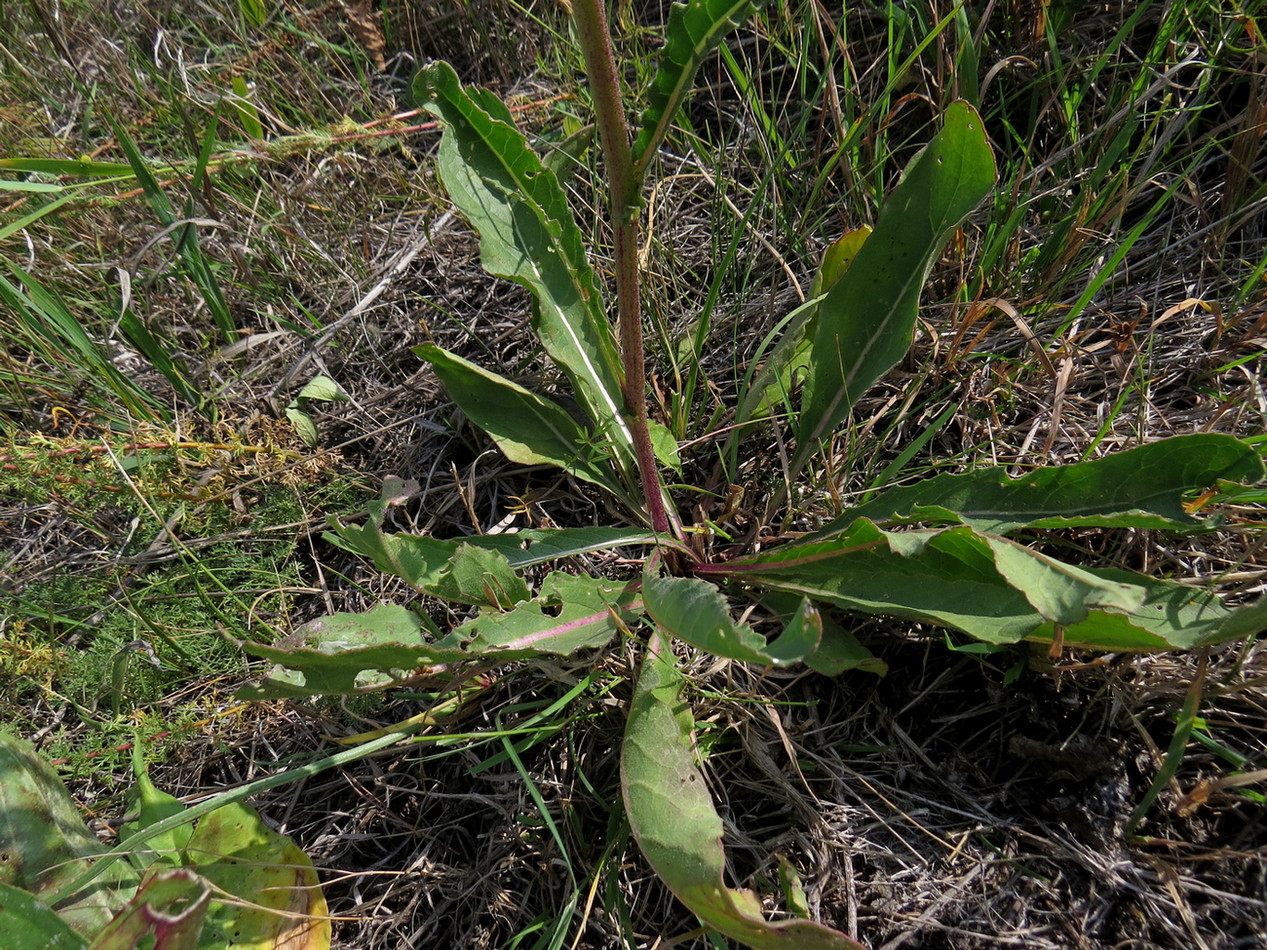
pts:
[480, 576]
[865, 323]
[28, 924]
[185, 236]
[344, 652]
[994, 589]
[66, 166]
[418, 559]
[49, 326]
[664, 446]
[1142, 487]
[838, 650]
[323, 389]
[528, 235]
[694, 611]
[248, 114]
[571, 613]
[305, 426]
[155, 805]
[44, 843]
[529, 429]
[694, 30]
[279, 904]
[167, 913]
[838, 258]
[673, 820]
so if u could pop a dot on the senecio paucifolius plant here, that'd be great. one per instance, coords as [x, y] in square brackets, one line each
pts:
[940, 551]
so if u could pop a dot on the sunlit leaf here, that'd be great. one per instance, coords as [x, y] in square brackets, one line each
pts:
[865, 323]
[418, 559]
[673, 820]
[345, 652]
[1143, 487]
[694, 30]
[528, 235]
[279, 904]
[993, 589]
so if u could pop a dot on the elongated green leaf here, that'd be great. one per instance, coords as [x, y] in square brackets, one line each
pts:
[528, 235]
[866, 322]
[345, 652]
[994, 590]
[47, 322]
[1142, 487]
[420, 560]
[694, 611]
[185, 237]
[674, 822]
[695, 29]
[66, 166]
[526, 427]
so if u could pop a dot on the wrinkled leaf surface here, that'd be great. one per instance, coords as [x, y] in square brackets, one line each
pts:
[994, 590]
[44, 843]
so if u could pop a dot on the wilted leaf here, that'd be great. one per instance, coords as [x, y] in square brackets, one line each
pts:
[167, 913]
[280, 905]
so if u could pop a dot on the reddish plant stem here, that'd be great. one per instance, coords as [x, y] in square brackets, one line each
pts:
[590, 19]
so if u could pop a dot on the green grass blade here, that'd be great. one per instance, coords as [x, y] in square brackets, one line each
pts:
[186, 236]
[694, 30]
[83, 168]
[528, 235]
[46, 321]
[866, 322]
[675, 824]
